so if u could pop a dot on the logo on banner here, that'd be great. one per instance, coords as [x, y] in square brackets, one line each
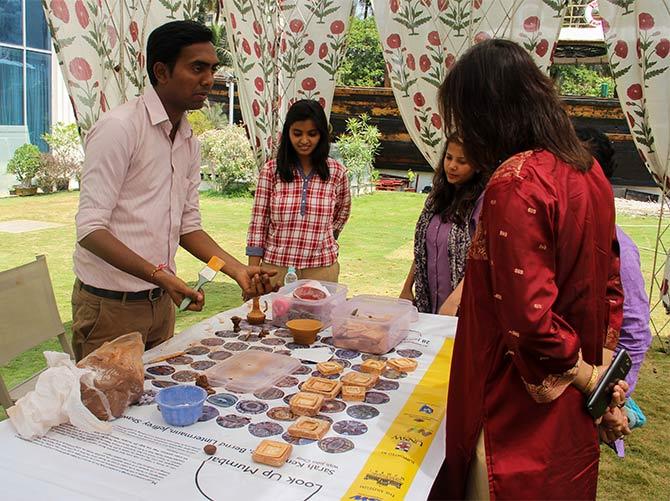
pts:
[426, 409]
[403, 445]
[358, 497]
[421, 431]
[384, 480]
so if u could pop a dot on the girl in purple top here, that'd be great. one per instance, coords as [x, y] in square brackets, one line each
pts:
[443, 234]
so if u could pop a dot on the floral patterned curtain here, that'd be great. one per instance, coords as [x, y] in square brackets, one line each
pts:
[282, 52]
[423, 38]
[101, 48]
[637, 34]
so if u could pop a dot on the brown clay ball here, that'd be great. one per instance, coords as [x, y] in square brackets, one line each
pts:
[210, 449]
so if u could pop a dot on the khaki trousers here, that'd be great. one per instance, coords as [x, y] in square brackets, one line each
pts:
[96, 320]
[326, 273]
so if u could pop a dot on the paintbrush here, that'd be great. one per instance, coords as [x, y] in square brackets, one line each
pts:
[207, 274]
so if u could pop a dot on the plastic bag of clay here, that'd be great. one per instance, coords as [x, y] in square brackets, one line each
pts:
[55, 400]
[118, 376]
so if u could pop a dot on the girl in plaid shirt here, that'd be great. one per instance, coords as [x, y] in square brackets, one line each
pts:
[302, 201]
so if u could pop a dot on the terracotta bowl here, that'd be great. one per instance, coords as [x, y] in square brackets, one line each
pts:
[304, 330]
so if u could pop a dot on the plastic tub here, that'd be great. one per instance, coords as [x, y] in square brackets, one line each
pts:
[286, 307]
[181, 405]
[251, 371]
[372, 324]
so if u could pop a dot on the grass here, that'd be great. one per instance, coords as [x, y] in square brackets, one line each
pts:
[376, 249]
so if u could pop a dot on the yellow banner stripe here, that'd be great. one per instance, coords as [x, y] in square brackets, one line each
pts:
[392, 466]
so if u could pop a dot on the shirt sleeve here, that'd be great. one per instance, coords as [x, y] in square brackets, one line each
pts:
[260, 214]
[342, 203]
[544, 347]
[614, 296]
[109, 147]
[190, 219]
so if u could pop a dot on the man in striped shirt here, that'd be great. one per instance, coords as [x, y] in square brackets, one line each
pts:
[139, 201]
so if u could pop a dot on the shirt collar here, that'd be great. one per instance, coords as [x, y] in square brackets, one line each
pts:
[158, 115]
[302, 173]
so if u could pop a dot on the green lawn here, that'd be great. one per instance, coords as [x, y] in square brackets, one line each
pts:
[376, 250]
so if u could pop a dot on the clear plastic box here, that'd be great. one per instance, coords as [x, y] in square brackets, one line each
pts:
[372, 324]
[286, 307]
[251, 371]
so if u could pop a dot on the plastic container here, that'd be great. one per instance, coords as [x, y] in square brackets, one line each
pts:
[372, 324]
[251, 371]
[286, 307]
[181, 405]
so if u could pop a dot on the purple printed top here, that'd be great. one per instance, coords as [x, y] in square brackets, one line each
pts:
[437, 256]
[635, 335]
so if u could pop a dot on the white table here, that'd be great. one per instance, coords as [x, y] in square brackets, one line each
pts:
[397, 457]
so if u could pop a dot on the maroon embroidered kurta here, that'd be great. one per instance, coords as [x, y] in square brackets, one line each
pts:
[541, 290]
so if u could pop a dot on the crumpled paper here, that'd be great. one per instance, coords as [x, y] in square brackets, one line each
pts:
[56, 400]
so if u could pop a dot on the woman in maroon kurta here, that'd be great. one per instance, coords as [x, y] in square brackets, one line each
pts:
[541, 295]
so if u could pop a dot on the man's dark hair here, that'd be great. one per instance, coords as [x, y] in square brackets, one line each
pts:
[600, 146]
[166, 42]
[287, 157]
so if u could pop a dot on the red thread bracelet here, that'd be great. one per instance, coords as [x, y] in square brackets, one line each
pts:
[158, 268]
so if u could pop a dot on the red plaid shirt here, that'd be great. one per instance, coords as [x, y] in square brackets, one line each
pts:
[296, 223]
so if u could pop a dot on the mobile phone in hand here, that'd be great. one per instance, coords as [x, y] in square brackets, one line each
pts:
[599, 400]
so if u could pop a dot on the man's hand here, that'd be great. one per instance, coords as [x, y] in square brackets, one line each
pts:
[178, 290]
[254, 281]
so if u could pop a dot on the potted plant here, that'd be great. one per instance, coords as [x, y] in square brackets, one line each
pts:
[25, 164]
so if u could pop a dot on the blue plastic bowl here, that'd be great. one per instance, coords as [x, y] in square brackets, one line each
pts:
[181, 405]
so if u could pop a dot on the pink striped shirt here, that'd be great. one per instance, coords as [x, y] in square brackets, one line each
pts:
[138, 185]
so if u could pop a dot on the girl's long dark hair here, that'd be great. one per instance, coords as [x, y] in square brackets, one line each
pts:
[499, 103]
[287, 157]
[456, 203]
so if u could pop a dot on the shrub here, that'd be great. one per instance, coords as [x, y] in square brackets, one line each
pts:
[208, 118]
[582, 80]
[358, 148]
[52, 174]
[229, 161]
[199, 122]
[65, 147]
[363, 64]
[25, 164]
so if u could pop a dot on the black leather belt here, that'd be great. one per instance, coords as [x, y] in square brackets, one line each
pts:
[151, 295]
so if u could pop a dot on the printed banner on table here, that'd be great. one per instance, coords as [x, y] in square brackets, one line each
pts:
[382, 448]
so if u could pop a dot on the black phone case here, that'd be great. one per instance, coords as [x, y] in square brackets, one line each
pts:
[599, 400]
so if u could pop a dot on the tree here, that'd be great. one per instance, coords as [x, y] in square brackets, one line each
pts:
[363, 64]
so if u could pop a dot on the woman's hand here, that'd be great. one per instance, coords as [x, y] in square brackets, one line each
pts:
[613, 425]
[407, 294]
[453, 302]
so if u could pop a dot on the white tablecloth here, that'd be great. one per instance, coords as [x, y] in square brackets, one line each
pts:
[144, 458]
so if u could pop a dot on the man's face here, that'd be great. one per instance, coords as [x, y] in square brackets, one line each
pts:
[187, 85]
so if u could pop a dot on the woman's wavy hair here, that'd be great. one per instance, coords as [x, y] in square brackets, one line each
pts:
[499, 103]
[287, 157]
[456, 203]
